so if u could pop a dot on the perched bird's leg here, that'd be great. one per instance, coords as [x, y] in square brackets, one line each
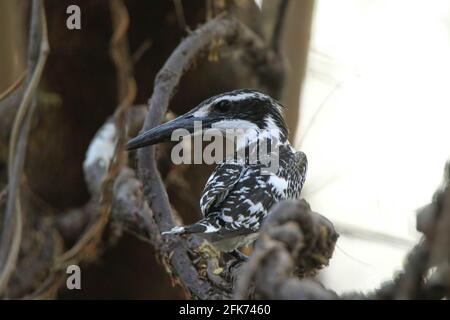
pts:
[239, 256]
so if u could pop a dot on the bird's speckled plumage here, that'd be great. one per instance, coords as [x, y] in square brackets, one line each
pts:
[237, 196]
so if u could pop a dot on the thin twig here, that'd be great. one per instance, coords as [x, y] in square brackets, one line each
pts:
[319, 110]
[12, 227]
[13, 86]
[279, 22]
[141, 50]
[180, 14]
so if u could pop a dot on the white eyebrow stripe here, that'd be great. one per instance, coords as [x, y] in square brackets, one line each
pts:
[239, 96]
[203, 111]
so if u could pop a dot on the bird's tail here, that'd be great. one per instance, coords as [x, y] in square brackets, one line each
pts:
[193, 228]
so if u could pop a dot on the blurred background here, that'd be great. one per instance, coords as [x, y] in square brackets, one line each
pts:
[374, 111]
[366, 89]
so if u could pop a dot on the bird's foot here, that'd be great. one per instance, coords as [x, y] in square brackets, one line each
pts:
[233, 265]
[238, 256]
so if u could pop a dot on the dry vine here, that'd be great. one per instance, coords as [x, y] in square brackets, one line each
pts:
[12, 223]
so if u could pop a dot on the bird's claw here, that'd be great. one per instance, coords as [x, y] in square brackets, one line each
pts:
[239, 258]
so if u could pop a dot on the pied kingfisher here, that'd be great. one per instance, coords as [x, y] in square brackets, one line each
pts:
[239, 193]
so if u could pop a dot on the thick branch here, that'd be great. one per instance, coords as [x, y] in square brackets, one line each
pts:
[293, 240]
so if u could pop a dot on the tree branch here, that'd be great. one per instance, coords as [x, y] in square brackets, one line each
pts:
[294, 241]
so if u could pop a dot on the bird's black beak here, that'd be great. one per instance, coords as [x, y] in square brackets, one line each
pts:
[164, 131]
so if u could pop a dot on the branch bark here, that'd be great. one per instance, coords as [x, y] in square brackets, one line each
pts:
[294, 241]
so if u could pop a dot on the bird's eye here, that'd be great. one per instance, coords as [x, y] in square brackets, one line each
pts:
[222, 106]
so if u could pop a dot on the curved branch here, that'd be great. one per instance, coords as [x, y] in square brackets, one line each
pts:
[293, 240]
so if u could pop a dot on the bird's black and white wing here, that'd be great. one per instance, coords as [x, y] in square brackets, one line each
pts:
[299, 175]
[220, 183]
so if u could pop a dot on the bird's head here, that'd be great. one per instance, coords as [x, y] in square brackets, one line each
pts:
[248, 110]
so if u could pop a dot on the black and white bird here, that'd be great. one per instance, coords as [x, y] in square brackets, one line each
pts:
[239, 194]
